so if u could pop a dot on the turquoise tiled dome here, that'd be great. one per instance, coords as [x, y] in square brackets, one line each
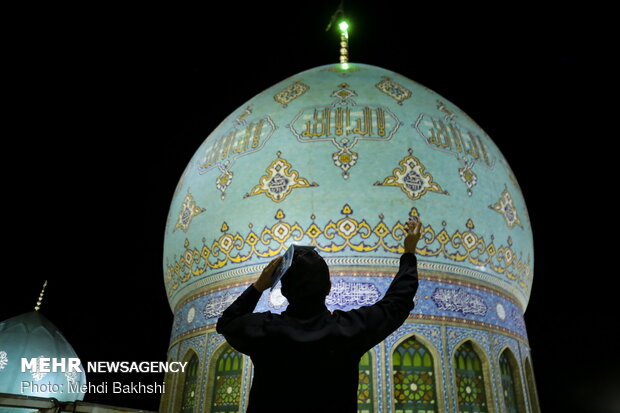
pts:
[340, 159]
[32, 335]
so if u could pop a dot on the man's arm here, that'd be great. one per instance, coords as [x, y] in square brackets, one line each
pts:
[237, 324]
[389, 313]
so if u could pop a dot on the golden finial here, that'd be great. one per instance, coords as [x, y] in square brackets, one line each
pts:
[344, 42]
[40, 300]
[343, 26]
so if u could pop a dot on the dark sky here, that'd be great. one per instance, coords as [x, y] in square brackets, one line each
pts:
[105, 108]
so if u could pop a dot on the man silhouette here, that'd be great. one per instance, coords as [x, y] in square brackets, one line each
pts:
[306, 359]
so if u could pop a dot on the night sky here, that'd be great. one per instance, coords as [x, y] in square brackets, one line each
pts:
[106, 107]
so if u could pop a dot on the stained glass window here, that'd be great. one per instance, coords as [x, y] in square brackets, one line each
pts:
[531, 387]
[509, 381]
[227, 387]
[414, 380]
[190, 386]
[469, 380]
[364, 389]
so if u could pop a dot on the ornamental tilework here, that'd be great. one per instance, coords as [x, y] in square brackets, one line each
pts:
[344, 295]
[344, 95]
[491, 345]
[412, 178]
[348, 234]
[525, 355]
[207, 345]
[189, 210]
[223, 181]
[290, 93]
[280, 181]
[215, 342]
[191, 314]
[242, 139]
[456, 336]
[241, 119]
[458, 300]
[173, 352]
[343, 108]
[219, 302]
[344, 123]
[365, 385]
[516, 319]
[431, 334]
[394, 90]
[435, 300]
[38, 375]
[72, 378]
[454, 304]
[500, 342]
[4, 360]
[447, 135]
[379, 372]
[197, 345]
[506, 207]
[248, 372]
[468, 177]
[352, 293]
[475, 266]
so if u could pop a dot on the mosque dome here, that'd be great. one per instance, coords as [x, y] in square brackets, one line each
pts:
[340, 159]
[33, 336]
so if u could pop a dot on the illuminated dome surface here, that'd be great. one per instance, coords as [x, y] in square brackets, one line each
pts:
[340, 159]
[32, 335]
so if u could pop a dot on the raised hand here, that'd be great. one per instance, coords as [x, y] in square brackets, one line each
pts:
[413, 227]
[265, 280]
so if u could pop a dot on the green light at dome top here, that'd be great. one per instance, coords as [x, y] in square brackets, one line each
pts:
[344, 26]
[344, 66]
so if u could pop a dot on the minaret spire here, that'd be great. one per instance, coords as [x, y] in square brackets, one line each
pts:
[40, 300]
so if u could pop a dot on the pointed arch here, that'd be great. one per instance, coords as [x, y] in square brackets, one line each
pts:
[169, 385]
[367, 387]
[225, 380]
[416, 376]
[188, 384]
[512, 391]
[472, 378]
[531, 386]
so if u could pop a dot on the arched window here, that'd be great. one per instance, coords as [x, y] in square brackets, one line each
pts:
[190, 385]
[414, 381]
[469, 380]
[511, 384]
[365, 388]
[531, 387]
[164, 401]
[227, 387]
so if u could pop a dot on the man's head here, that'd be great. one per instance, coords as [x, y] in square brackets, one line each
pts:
[308, 277]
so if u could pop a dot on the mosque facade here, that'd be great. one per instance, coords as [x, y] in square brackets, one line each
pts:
[340, 159]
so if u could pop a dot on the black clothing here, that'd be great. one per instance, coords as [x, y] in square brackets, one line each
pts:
[307, 278]
[306, 359]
